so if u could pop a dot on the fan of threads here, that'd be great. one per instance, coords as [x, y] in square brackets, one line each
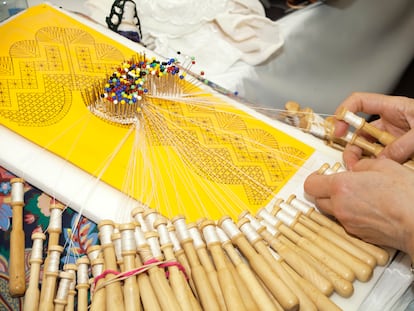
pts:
[120, 97]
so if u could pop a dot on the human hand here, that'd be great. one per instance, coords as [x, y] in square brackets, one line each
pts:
[373, 202]
[396, 117]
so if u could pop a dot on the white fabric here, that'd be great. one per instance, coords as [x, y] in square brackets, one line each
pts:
[217, 33]
[331, 50]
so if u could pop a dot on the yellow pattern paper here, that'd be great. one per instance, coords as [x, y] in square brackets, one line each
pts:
[197, 160]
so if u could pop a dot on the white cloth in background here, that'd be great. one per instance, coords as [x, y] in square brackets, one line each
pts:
[218, 33]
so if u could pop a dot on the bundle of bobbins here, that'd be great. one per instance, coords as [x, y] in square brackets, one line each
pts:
[287, 256]
[310, 122]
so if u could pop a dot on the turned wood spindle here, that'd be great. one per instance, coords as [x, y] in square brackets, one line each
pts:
[328, 234]
[131, 289]
[207, 263]
[278, 265]
[204, 289]
[380, 254]
[227, 283]
[98, 298]
[115, 301]
[263, 300]
[163, 291]
[71, 268]
[61, 300]
[82, 282]
[17, 280]
[287, 299]
[51, 271]
[179, 284]
[31, 298]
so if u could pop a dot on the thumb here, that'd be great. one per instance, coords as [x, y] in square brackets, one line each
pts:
[401, 149]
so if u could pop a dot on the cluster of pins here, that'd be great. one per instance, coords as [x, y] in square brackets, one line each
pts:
[314, 124]
[285, 257]
[120, 97]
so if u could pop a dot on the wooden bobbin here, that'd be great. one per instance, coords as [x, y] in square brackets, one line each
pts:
[296, 258]
[17, 280]
[369, 147]
[287, 299]
[308, 246]
[328, 234]
[98, 299]
[263, 300]
[229, 289]
[300, 266]
[61, 299]
[277, 263]
[51, 271]
[138, 215]
[381, 255]
[115, 301]
[206, 262]
[148, 297]
[181, 257]
[131, 289]
[71, 268]
[179, 285]
[53, 230]
[363, 272]
[82, 282]
[31, 298]
[93, 252]
[150, 215]
[116, 241]
[359, 123]
[204, 289]
[163, 291]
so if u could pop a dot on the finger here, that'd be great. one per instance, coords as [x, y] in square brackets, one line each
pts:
[351, 155]
[401, 149]
[324, 205]
[318, 186]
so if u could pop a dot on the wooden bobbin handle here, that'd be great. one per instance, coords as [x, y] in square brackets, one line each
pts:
[17, 282]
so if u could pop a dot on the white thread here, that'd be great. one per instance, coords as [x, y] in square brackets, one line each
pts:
[222, 235]
[285, 218]
[230, 227]
[174, 240]
[54, 257]
[55, 220]
[82, 272]
[253, 221]
[154, 245]
[150, 218]
[128, 242]
[349, 137]
[139, 237]
[97, 267]
[17, 191]
[163, 234]
[249, 232]
[196, 236]
[181, 229]
[300, 205]
[271, 229]
[289, 209]
[116, 241]
[140, 219]
[64, 283]
[105, 233]
[37, 246]
[210, 234]
[263, 213]
[353, 119]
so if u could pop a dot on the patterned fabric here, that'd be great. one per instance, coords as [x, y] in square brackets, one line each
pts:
[78, 233]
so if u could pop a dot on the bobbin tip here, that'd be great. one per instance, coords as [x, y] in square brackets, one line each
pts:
[341, 113]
